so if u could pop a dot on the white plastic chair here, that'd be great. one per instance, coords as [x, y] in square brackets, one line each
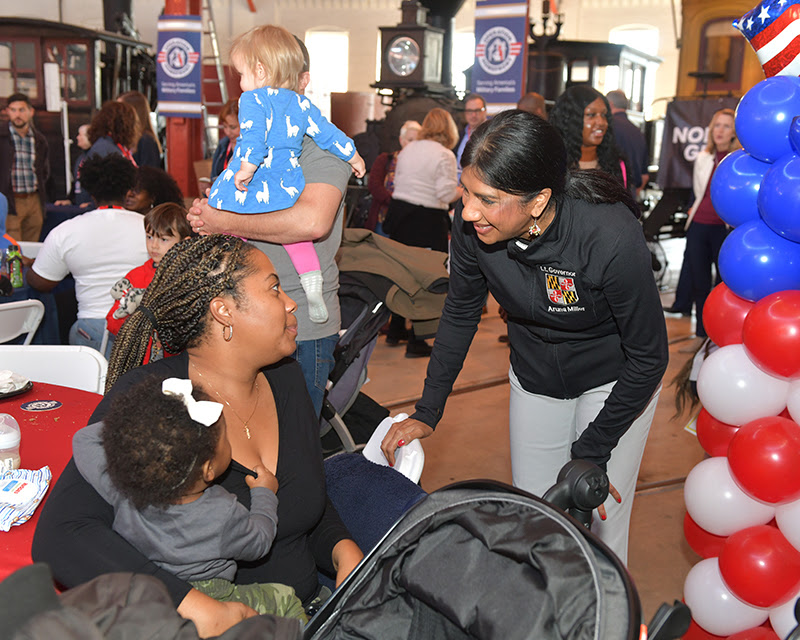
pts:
[20, 317]
[72, 366]
[30, 249]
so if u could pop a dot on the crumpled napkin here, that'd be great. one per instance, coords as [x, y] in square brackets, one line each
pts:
[10, 381]
[15, 513]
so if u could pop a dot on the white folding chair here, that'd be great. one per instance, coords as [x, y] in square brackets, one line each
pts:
[72, 366]
[30, 249]
[20, 317]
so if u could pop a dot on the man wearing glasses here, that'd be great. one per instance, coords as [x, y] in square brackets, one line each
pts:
[475, 112]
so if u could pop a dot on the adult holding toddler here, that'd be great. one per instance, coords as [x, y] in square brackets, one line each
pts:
[217, 303]
[97, 247]
[317, 216]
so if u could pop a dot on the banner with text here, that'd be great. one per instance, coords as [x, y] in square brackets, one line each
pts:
[501, 52]
[685, 135]
[178, 67]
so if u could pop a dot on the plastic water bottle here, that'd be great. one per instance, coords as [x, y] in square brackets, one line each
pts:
[9, 443]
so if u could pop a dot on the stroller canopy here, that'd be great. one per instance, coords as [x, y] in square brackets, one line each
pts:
[484, 560]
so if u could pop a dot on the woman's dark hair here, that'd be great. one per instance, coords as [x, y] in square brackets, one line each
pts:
[141, 105]
[117, 120]
[175, 305]
[159, 184]
[521, 154]
[567, 117]
[107, 178]
[154, 450]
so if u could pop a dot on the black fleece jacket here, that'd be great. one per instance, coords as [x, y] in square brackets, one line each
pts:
[583, 310]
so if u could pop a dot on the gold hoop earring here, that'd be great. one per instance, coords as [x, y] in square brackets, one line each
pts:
[229, 337]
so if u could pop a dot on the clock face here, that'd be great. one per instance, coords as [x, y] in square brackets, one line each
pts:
[402, 56]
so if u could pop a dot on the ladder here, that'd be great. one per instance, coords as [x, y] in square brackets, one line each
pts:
[210, 33]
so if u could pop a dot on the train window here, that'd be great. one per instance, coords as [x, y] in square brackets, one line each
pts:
[722, 51]
[72, 58]
[18, 68]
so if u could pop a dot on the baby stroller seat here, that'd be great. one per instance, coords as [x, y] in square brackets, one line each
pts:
[484, 560]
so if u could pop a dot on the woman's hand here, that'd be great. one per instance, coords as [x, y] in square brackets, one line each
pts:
[211, 617]
[400, 434]
[346, 555]
[601, 510]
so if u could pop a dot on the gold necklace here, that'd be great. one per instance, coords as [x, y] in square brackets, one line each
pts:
[252, 413]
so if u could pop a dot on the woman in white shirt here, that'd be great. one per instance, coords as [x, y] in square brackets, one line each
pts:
[425, 184]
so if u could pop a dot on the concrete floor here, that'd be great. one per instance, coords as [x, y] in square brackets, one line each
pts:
[472, 442]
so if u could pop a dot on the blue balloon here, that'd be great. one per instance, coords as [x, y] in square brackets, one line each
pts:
[779, 197]
[755, 261]
[735, 185]
[764, 115]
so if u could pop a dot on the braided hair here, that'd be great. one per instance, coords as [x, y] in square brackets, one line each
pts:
[174, 307]
[154, 457]
[567, 117]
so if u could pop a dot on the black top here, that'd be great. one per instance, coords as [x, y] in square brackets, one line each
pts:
[633, 144]
[74, 532]
[147, 154]
[583, 311]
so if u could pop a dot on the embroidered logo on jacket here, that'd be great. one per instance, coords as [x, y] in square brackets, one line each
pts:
[561, 290]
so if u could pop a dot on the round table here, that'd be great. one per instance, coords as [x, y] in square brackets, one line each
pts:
[46, 440]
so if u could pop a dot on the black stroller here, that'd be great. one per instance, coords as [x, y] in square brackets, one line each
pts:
[485, 560]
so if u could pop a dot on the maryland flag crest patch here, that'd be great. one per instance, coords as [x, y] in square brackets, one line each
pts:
[561, 290]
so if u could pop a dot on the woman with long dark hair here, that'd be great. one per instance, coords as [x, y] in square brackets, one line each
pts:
[583, 116]
[563, 253]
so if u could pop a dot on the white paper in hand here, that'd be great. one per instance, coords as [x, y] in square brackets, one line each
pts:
[408, 460]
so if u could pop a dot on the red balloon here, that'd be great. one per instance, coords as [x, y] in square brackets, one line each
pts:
[701, 541]
[771, 333]
[723, 315]
[696, 632]
[760, 566]
[764, 456]
[756, 633]
[714, 436]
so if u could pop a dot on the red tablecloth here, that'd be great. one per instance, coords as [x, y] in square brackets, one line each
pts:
[46, 440]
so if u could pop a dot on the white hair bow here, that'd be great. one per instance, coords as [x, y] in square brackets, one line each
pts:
[203, 411]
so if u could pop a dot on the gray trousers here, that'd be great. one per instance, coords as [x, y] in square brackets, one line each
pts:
[542, 431]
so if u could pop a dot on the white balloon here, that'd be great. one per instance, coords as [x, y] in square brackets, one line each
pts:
[717, 504]
[735, 391]
[788, 518]
[782, 618]
[793, 401]
[713, 606]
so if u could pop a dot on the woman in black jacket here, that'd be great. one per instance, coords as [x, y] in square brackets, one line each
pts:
[564, 254]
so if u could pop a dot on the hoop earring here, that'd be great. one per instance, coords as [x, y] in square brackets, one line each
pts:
[229, 337]
[534, 231]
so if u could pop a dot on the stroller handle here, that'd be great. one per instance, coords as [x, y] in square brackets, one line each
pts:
[581, 487]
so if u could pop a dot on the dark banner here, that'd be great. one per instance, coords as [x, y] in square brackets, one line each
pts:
[685, 135]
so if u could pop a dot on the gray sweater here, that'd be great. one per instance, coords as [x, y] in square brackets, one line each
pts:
[195, 541]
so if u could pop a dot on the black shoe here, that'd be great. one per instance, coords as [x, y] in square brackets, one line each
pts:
[672, 309]
[418, 349]
[395, 338]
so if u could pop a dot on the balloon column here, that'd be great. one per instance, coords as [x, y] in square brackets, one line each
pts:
[743, 503]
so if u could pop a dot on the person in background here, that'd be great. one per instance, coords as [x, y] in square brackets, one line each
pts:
[630, 139]
[582, 115]
[148, 148]
[164, 227]
[381, 178]
[78, 196]
[152, 187]
[425, 184]
[318, 216]
[705, 230]
[564, 254]
[475, 114]
[533, 103]
[6, 240]
[114, 130]
[97, 248]
[24, 170]
[229, 122]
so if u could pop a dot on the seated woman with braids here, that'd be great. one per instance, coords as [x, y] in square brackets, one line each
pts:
[216, 302]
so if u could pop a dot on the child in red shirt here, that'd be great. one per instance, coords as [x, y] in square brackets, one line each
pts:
[164, 226]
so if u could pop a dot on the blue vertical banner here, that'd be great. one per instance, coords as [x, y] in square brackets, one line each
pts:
[179, 71]
[501, 52]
